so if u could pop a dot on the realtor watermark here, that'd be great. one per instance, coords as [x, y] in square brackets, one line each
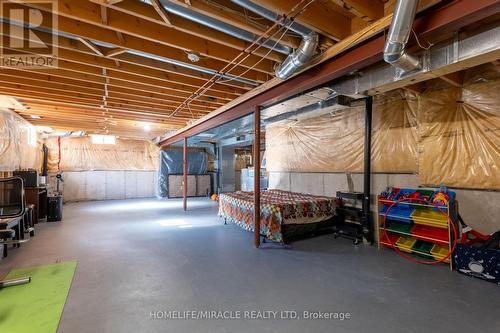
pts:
[249, 315]
[28, 34]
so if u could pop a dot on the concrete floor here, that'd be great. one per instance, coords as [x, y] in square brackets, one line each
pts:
[141, 256]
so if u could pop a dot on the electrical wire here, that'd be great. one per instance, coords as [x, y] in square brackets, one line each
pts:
[264, 57]
[418, 42]
[247, 51]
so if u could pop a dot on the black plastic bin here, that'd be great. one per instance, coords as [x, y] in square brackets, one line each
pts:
[54, 208]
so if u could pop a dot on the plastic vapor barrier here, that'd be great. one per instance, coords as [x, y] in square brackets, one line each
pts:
[171, 163]
[445, 134]
[19, 147]
[334, 142]
[80, 154]
[460, 134]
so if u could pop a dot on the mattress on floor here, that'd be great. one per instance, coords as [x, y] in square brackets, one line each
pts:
[278, 210]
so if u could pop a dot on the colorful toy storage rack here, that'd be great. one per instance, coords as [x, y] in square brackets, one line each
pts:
[418, 228]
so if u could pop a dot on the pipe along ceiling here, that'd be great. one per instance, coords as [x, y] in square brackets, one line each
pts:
[296, 59]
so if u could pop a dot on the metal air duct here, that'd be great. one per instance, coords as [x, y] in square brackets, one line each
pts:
[299, 57]
[399, 33]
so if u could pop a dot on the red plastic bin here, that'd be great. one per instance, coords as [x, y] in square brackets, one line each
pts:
[428, 233]
[393, 238]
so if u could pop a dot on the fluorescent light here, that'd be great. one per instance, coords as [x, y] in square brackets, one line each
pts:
[35, 117]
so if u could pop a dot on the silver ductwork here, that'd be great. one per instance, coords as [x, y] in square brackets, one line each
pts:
[299, 57]
[221, 26]
[395, 47]
[475, 49]
[302, 54]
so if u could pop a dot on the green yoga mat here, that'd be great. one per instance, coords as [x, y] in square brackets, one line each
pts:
[36, 307]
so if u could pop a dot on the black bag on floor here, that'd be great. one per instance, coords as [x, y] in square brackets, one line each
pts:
[480, 260]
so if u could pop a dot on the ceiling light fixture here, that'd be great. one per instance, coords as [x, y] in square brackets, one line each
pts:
[193, 57]
[35, 117]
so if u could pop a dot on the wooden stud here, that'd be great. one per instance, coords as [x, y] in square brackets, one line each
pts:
[114, 52]
[161, 11]
[91, 46]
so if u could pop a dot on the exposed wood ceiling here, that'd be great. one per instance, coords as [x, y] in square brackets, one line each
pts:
[112, 76]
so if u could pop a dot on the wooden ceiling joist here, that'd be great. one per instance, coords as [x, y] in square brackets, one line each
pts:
[91, 100]
[224, 13]
[67, 50]
[150, 14]
[86, 80]
[94, 74]
[221, 13]
[55, 107]
[90, 32]
[88, 12]
[118, 60]
[317, 16]
[139, 114]
[368, 10]
[123, 99]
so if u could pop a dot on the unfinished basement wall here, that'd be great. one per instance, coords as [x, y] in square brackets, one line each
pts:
[442, 135]
[479, 209]
[126, 170]
[19, 143]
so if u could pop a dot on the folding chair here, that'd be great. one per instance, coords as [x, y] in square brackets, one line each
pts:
[12, 210]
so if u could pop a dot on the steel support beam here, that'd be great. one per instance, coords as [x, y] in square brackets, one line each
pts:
[185, 179]
[439, 21]
[256, 176]
[367, 167]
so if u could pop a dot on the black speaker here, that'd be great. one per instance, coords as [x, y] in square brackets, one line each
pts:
[30, 177]
[54, 208]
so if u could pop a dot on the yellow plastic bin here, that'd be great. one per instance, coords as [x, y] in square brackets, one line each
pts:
[439, 252]
[430, 217]
[406, 243]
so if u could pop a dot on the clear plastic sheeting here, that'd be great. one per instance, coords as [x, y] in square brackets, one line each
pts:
[334, 142]
[172, 163]
[395, 133]
[80, 154]
[460, 135]
[330, 142]
[19, 147]
[446, 134]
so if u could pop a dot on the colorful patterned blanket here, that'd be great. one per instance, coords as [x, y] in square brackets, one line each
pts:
[278, 208]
